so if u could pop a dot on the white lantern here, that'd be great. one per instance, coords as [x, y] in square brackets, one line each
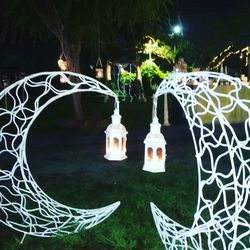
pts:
[62, 62]
[63, 65]
[63, 79]
[99, 69]
[155, 152]
[116, 138]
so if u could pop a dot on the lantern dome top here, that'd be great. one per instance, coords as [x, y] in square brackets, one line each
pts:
[116, 117]
[155, 126]
[116, 123]
[155, 138]
[116, 127]
[155, 132]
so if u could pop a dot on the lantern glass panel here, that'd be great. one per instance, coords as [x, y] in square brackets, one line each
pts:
[123, 144]
[150, 154]
[99, 73]
[107, 144]
[115, 143]
[159, 153]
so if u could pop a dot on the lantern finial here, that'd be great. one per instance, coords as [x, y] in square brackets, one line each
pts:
[155, 126]
[116, 117]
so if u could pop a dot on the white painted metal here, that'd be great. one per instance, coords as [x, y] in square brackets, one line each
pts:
[221, 222]
[23, 204]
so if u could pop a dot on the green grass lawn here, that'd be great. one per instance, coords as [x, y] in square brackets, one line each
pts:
[132, 225]
[67, 162]
[75, 177]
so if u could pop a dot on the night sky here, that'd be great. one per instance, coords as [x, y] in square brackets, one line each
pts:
[197, 16]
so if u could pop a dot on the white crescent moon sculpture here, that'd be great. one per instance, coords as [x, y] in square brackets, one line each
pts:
[222, 221]
[23, 205]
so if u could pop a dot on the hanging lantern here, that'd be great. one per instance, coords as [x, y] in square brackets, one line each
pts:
[99, 69]
[62, 62]
[63, 65]
[116, 137]
[63, 79]
[155, 152]
[108, 71]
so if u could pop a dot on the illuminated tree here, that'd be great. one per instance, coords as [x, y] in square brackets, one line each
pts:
[81, 24]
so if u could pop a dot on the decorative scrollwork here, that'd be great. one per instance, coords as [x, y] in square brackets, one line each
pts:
[221, 220]
[23, 204]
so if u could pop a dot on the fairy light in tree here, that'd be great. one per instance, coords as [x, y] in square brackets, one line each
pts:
[116, 138]
[227, 53]
[221, 53]
[150, 46]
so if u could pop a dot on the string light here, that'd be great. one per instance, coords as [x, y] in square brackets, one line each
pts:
[227, 53]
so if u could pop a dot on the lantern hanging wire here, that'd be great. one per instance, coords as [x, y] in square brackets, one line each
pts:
[62, 61]
[99, 67]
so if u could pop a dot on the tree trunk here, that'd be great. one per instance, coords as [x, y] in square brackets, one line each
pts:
[72, 52]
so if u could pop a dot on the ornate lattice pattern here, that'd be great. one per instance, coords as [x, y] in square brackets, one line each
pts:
[222, 217]
[23, 204]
